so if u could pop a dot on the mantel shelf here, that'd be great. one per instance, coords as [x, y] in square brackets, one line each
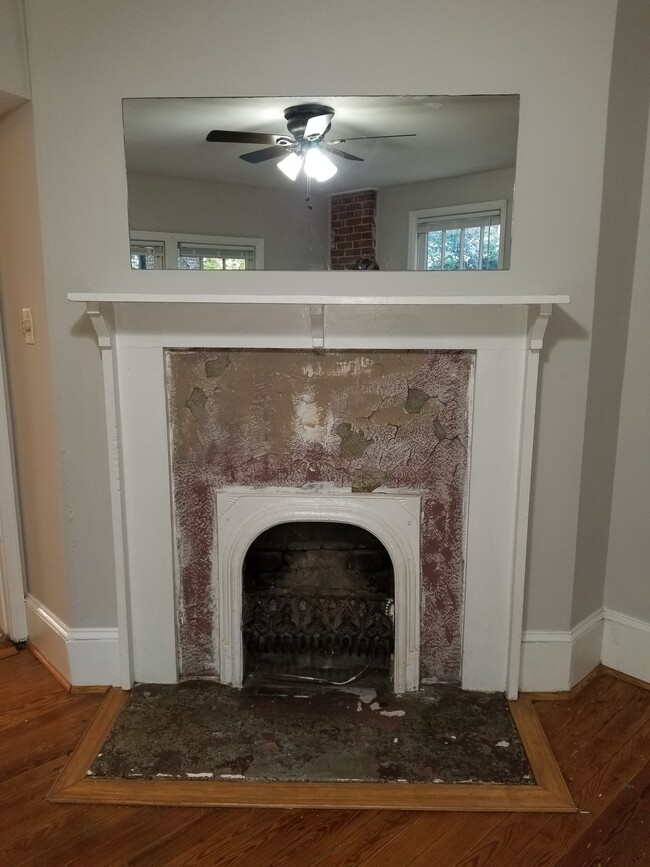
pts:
[301, 297]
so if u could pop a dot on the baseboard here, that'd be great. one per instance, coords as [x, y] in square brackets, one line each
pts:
[83, 657]
[586, 647]
[626, 645]
[555, 661]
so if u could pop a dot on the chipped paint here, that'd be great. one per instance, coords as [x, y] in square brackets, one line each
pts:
[323, 420]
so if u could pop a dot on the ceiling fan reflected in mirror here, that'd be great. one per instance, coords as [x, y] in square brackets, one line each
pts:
[304, 147]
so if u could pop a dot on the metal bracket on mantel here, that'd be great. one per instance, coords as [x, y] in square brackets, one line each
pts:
[317, 313]
[99, 324]
[538, 330]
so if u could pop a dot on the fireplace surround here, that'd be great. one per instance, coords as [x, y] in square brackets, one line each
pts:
[505, 333]
[326, 423]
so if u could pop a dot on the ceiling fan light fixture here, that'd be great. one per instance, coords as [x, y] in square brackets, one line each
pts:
[291, 166]
[319, 166]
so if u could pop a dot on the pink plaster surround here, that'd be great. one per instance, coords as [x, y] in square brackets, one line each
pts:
[362, 421]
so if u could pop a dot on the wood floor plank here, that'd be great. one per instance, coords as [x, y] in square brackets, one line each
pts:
[115, 841]
[61, 843]
[586, 714]
[622, 832]
[405, 844]
[337, 838]
[215, 833]
[356, 845]
[38, 744]
[308, 843]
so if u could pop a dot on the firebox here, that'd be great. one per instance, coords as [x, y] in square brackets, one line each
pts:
[318, 603]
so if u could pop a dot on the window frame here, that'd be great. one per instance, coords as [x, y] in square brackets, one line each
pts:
[171, 240]
[422, 215]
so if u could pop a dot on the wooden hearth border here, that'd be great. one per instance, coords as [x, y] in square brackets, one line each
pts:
[550, 795]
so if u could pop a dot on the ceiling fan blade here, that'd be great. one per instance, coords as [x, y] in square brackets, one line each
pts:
[317, 126]
[264, 154]
[226, 135]
[361, 137]
[339, 153]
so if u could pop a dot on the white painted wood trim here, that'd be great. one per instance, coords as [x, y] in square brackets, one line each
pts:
[85, 657]
[106, 339]
[393, 518]
[12, 569]
[148, 514]
[555, 661]
[383, 293]
[502, 338]
[626, 644]
[528, 413]
[586, 647]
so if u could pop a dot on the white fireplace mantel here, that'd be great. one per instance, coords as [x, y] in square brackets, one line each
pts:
[505, 331]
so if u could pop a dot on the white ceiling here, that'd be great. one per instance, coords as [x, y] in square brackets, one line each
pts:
[455, 135]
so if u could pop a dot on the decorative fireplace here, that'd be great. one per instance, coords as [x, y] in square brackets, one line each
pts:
[319, 602]
[159, 611]
[393, 519]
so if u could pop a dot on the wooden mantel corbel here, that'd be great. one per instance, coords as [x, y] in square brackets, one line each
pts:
[100, 325]
[538, 330]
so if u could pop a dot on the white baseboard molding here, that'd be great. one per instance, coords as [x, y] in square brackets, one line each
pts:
[626, 644]
[556, 661]
[550, 661]
[586, 647]
[85, 657]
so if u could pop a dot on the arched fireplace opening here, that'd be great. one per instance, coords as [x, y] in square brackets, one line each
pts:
[318, 602]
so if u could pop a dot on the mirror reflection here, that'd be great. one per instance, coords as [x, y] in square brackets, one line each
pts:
[321, 183]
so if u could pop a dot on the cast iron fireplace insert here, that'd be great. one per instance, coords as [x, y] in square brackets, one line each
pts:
[318, 602]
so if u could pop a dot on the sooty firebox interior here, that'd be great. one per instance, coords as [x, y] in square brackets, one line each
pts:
[318, 603]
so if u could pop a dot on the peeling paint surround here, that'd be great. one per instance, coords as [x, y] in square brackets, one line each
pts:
[394, 520]
[321, 423]
[263, 311]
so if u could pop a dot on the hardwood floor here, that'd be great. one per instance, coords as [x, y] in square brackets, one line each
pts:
[601, 738]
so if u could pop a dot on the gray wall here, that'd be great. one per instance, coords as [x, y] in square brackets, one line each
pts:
[622, 188]
[394, 204]
[294, 238]
[87, 55]
[627, 588]
[28, 367]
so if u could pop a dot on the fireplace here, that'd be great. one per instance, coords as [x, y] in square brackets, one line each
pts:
[318, 603]
[168, 584]
[394, 520]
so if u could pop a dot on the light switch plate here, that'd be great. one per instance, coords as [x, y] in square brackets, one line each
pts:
[28, 325]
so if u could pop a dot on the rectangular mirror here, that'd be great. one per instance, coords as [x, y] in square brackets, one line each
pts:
[321, 183]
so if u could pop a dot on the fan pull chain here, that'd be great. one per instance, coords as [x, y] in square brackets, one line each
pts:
[308, 199]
